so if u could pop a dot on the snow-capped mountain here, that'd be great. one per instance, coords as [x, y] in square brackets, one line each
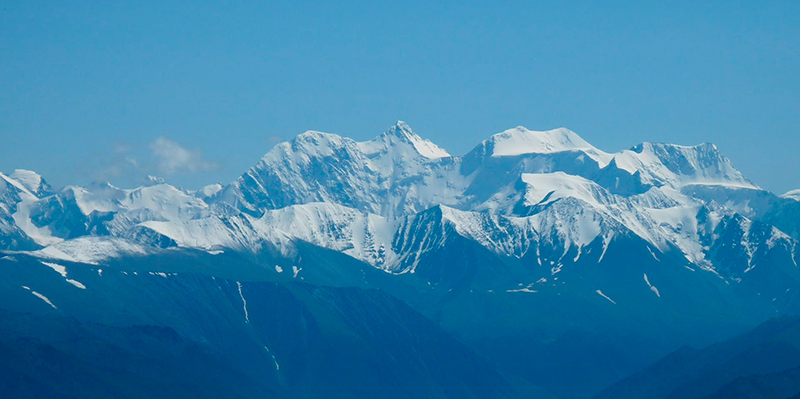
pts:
[514, 192]
[387, 175]
[529, 244]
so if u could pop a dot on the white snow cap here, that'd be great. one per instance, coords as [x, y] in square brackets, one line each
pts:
[794, 194]
[678, 165]
[520, 141]
[426, 148]
[29, 179]
[151, 180]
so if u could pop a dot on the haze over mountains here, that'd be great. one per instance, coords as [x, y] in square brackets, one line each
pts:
[536, 258]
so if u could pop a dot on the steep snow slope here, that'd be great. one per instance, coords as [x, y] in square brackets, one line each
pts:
[12, 236]
[32, 181]
[17, 202]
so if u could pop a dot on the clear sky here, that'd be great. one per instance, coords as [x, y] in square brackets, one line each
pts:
[198, 91]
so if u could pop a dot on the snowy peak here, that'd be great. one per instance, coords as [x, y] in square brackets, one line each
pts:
[32, 181]
[380, 176]
[312, 143]
[400, 129]
[426, 148]
[520, 141]
[676, 166]
[400, 132]
[151, 180]
[401, 135]
[390, 200]
[707, 152]
[14, 190]
[156, 201]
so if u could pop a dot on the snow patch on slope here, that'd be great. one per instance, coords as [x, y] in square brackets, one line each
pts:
[244, 303]
[92, 250]
[40, 296]
[652, 287]
[62, 270]
[605, 296]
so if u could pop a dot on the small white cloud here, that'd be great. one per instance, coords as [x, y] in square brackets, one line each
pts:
[114, 164]
[172, 158]
[131, 161]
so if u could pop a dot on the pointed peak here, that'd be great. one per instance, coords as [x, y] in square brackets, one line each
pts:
[402, 125]
[402, 133]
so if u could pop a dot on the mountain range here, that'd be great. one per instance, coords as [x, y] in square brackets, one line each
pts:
[348, 268]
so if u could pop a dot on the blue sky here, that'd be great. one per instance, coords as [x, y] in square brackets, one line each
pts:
[197, 91]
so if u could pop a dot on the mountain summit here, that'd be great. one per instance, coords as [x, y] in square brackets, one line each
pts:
[402, 132]
[520, 140]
